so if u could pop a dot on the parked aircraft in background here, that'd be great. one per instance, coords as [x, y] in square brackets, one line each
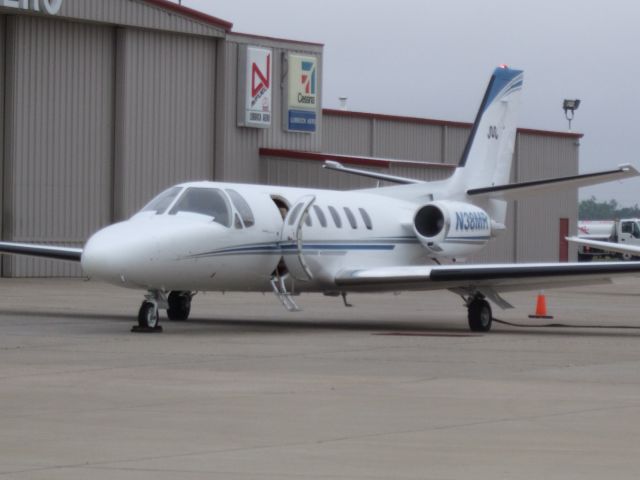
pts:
[216, 236]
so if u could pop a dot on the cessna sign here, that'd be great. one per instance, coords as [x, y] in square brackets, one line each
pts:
[51, 7]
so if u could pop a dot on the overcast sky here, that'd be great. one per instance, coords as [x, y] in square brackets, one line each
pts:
[433, 59]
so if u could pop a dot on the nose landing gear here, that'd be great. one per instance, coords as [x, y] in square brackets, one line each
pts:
[177, 304]
[148, 315]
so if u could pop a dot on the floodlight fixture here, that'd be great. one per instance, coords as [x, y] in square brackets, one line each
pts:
[570, 107]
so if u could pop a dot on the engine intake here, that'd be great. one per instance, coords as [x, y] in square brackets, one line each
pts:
[451, 229]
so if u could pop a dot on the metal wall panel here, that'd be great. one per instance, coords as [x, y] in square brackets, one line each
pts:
[165, 111]
[407, 141]
[4, 180]
[237, 157]
[133, 13]
[455, 140]
[355, 133]
[347, 135]
[58, 131]
[305, 173]
[537, 220]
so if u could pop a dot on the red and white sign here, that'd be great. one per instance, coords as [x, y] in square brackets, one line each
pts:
[259, 80]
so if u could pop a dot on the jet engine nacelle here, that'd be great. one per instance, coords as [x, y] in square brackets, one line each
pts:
[450, 229]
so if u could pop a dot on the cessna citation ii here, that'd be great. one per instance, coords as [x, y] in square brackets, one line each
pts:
[213, 236]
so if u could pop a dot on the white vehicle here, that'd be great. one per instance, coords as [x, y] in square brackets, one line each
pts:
[624, 232]
[216, 236]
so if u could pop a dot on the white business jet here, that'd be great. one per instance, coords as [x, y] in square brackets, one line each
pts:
[215, 236]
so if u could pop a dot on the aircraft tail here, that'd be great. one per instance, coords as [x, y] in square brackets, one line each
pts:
[488, 154]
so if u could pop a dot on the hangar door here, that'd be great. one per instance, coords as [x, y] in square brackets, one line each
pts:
[58, 125]
[164, 114]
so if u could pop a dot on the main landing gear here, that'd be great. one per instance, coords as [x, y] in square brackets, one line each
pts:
[479, 313]
[177, 304]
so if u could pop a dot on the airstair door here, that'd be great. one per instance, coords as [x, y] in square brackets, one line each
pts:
[291, 240]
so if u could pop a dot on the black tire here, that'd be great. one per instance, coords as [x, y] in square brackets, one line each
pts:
[480, 316]
[179, 306]
[148, 317]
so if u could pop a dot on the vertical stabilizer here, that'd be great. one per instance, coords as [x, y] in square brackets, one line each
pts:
[488, 155]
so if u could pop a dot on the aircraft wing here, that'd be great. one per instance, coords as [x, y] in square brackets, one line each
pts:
[46, 251]
[608, 246]
[517, 191]
[490, 277]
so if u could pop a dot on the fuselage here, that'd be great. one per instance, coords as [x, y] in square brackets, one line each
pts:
[257, 232]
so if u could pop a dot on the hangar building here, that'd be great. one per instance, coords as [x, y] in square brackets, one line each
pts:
[103, 103]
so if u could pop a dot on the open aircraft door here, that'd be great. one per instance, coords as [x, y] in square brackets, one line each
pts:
[291, 239]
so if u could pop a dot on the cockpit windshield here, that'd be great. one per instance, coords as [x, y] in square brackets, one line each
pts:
[160, 203]
[204, 201]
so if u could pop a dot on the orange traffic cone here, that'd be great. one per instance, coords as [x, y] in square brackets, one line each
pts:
[541, 307]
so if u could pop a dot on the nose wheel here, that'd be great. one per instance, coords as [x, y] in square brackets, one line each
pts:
[148, 315]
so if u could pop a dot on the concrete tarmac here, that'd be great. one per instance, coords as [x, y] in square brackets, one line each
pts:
[394, 388]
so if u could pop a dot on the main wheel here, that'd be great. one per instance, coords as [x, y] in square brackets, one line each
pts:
[480, 317]
[179, 305]
[148, 315]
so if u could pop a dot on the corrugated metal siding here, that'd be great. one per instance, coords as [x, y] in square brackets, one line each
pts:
[165, 114]
[59, 135]
[305, 173]
[407, 141]
[537, 220]
[349, 136]
[134, 13]
[364, 134]
[455, 140]
[4, 180]
[239, 159]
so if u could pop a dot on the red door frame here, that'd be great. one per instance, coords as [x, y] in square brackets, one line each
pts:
[563, 254]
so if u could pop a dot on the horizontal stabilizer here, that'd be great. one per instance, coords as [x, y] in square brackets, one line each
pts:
[516, 191]
[607, 246]
[338, 167]
[46, 251]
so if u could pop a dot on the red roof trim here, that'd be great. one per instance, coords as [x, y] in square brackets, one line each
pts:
[190, 12]
[277, 39]
[439, 123]
[349, 159]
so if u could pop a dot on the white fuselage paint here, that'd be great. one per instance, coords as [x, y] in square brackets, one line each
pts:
[191, 252]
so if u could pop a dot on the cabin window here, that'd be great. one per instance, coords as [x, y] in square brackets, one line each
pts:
[161, 202]
[237, 223]
[242, 207]
[307, 219]
[351, 217]
[294, 213]
[204, 201]
[320, 214]
[336, 217]
[366, 218]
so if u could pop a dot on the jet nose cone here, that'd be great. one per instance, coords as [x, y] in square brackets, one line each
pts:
[107, 254]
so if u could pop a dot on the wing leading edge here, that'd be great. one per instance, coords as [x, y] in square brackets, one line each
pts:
[517, 191]
[608, 246]
[45, 251]
[497, 277]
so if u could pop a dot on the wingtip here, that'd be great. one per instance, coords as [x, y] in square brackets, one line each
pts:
[628, 168]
